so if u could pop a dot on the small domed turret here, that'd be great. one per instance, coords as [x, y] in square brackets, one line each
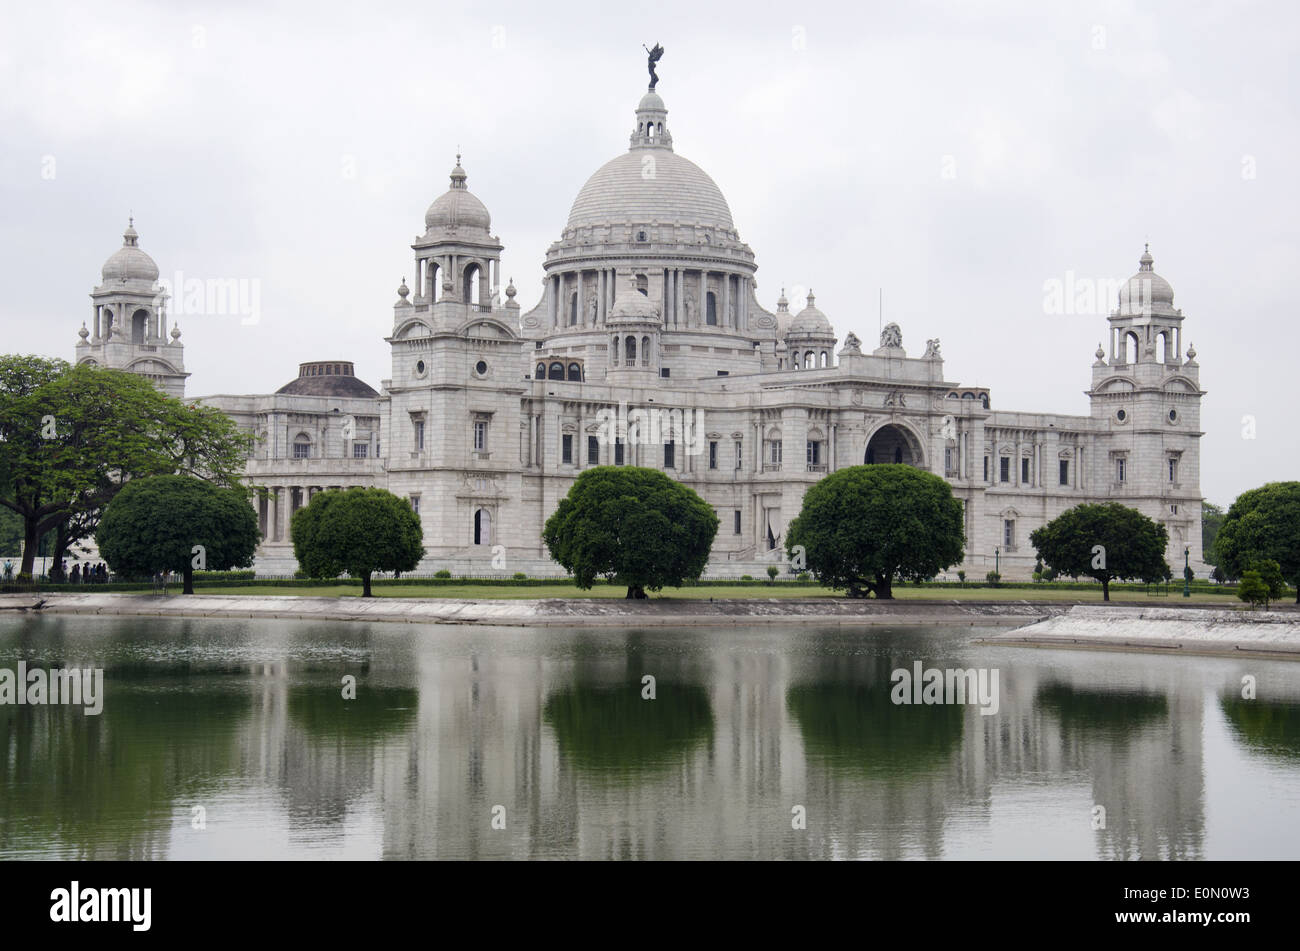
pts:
[457, 209]
[128, 262]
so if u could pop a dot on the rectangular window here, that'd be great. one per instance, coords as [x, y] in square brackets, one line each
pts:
[814, 452]
[566, 449]
[1065, 471]
[776, 451]
[302, 450]
[1004, 471]
[1173, 470]
[1024, 472]
[593, 451]
[480, 436]
[986, 468]
[724, 373]
[415, 504]
[736, 522]
[1173, 510]
[670, 455]
[618, 452]
[1119, 469]
[664, 372]
[713, 454]
[419, 435]
[739, 454]
[360, 450]
[1008, 534]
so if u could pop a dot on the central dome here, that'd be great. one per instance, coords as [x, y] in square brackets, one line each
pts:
[651, 184]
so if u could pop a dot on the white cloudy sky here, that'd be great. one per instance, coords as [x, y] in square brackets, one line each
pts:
[1076, 132]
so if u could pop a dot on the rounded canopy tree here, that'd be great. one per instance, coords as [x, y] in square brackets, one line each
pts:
[863, 526]
[1262, 524]
[177, 523]
[359, 531]
[634, 526]
[1106, 541]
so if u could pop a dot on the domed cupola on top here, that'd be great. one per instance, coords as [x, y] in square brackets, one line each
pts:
[810, 339]
[457, 260]
[1146, 291]
[457, 209]
[652, 124]
[128, 262]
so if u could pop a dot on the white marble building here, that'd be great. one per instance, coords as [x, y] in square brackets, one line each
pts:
[650, 316]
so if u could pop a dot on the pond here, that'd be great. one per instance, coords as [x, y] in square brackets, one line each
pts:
[233, 739]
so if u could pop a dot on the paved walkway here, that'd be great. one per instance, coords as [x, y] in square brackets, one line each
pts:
[1273, 634]
[554, 612]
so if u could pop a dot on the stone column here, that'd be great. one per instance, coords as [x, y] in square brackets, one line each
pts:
[702, 308]
[601, 278]
[830, 463]
[725, 319]
[582, 299]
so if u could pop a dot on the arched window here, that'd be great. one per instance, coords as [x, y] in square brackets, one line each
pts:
[470, 282]
[643, 284]
[541, 371]
[1131, 347]
[1162, 346]
[630, 351]
[613, 352]
[575, 372]
[825, 359]
[302, 446]
[645, 351]
[794, 360]
[557, 371]
[984, 400]
[711, 309]
[139, 326]
[810, 360]
[482, 527]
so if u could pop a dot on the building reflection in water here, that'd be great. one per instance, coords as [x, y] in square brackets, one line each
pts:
[450, 723]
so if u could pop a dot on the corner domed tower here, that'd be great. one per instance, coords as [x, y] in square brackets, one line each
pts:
[458, 258]
[129, 321]
[810, 339]
[1147, 398]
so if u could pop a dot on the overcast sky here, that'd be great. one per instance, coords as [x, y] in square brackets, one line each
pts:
[957, 155]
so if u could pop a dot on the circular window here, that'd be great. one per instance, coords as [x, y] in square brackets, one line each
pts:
[1173, 416]
[419, 367]
[481, 367]
[1121, 415]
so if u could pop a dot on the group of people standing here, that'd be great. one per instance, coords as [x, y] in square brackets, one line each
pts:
[90, 574]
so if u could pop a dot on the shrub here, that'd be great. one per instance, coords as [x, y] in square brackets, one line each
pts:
[773, 571]
[961, 576]
[804, 577]
[993, 578]
[442, 573]
[520, 576]
[746, 577]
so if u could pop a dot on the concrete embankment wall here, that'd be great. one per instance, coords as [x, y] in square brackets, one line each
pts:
[1172, 630]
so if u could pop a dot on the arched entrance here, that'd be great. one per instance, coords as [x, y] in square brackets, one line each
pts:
[893, 443]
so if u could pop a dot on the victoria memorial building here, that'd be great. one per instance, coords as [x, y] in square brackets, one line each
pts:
[650, 347]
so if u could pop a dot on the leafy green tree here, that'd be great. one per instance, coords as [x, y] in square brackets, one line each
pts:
[177, 523]
[71, 437]
[1270, 572]
[1211, 520]
[1105, 541]
[864, 526]
[358, 531]
[1252, 589]
[633, 526]
[1262, 523]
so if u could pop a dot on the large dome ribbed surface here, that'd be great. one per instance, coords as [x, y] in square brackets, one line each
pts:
[678, 190]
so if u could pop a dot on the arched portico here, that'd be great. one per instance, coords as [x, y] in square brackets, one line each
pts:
[894, 442]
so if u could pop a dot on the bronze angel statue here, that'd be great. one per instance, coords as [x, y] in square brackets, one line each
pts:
[655, 55]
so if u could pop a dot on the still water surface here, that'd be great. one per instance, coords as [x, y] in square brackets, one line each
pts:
[245, 720]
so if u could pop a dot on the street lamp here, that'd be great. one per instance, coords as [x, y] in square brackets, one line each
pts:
[1187, 571]
[997, 559]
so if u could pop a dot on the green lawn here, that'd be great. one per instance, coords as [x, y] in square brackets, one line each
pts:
[902, 592]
